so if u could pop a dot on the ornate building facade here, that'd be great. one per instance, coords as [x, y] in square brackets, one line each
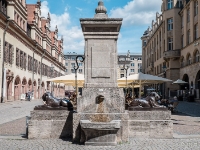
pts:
[30, 52]
[171, 46]
[132, 61]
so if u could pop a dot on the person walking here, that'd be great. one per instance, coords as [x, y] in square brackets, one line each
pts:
[29, 95]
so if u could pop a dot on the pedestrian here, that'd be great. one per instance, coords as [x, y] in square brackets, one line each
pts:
[29, 95]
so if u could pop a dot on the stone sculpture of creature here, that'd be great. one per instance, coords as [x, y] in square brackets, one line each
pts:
[149, 102]
[51, 101]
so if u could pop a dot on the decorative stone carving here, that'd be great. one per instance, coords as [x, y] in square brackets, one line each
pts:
[100, 29]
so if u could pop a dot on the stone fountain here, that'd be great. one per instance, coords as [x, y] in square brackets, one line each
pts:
[101, 118]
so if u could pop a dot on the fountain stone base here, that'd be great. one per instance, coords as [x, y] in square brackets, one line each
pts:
[100, 133]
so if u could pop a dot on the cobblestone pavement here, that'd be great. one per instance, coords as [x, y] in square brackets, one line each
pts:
[189, 108]
[10, 111]
[134, 144]
[186, 126]
[13, 128]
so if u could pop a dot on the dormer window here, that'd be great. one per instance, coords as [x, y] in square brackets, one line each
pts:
[3, 6]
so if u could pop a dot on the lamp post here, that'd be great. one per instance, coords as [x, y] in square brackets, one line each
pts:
[126, 69]
[164, 74]
[3, 55]
[52, 69]
[76, 68]
[125, 62]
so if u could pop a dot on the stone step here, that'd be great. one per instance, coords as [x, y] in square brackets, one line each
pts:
[149, 115]
[50, 114]
[151, 128]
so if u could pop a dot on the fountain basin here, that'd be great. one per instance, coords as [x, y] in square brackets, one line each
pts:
[100, 133]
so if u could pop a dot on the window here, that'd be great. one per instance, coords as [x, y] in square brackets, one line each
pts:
[195, 31]
[72, 58]
[72, 71]
[139, 70]
[182, 22]
[8, 53]
[189, 60]
[182, 62]
[66, 70]
[144, 43]
[179, 4]
[80, 70]
[170, 44]
[121, 75]
[132, 64]
[197, 56]
[195, 8]
[132, 70]
[188, 15]
[188, 37]
[139, 58]
[72, 64]
[182, 41]
[170, 24]
[22, 60]
[66, 64]
[80, 64]
[17, 57]
[169, 4]
[132, 58]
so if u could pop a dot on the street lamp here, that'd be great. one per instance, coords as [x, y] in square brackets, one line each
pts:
[52, 69]
[164, 74]
[76, 68]
[125, 62]
[126, 69]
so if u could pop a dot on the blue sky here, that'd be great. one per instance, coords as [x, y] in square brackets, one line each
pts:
[137, 16]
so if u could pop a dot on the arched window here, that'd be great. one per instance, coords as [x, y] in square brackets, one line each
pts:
[189, 59]
[182, 62]
[197, 57]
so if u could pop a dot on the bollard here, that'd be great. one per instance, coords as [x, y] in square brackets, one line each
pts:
[27, 121]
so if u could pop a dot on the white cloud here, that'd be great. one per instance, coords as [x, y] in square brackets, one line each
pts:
[79, 9]
[137, 12]
[73, 36]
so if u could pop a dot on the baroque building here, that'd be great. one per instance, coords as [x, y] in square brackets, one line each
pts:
[132, 62]
[171, 45]
[30, 52]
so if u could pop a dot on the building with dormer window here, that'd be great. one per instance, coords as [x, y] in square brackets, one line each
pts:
[30, 52]
[171, 46]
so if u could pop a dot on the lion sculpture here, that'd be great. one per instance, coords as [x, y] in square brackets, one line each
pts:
[51, 101]
[149, 102]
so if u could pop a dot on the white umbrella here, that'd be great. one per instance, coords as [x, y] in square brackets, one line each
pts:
[68, 79]
[142, 78]
[179, 81]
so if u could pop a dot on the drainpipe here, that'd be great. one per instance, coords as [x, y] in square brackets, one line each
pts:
[41, 73]
[2, 81]
[33, 67]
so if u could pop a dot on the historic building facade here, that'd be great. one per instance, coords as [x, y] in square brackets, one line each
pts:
[30, 52]
[132, 62]
[171, 46]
